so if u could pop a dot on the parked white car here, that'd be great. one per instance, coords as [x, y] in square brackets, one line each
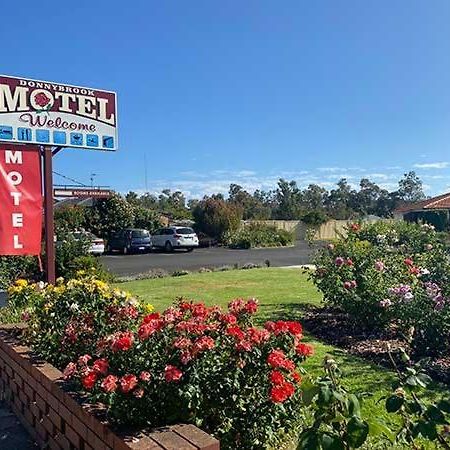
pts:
[97, 245]
[171, 238]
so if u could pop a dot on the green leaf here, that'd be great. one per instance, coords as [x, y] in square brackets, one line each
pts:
[353, 405]
[331, 442]
[309, 440]
[377, 428]
[423, 379]
[357, 432]
[412, 381]
[309, 391]
[394, 403]
[325, 395]
[444, 405]
[427, 430]
[435, 414]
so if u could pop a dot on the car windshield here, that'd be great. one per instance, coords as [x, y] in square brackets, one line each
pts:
[185, 231]
[139, 234]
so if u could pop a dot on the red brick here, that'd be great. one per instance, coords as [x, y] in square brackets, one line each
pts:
[55, 418]
[48, 425]
[62, 441]
[35, 411]
[171, 441]
[196, 437]
[65, 414]
[42, 404]
[73, 436]
[41, 431]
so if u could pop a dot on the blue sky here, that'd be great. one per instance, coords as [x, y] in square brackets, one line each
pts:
[248, 91]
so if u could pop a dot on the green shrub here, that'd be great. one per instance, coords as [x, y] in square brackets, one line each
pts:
[259, 235]
[201, 365]
[15, 267]
[216, 217]
[390, 274]
[68, 319]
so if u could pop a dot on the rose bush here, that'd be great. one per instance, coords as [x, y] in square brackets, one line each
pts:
[65, 320]
[387, 274]
[200, 365]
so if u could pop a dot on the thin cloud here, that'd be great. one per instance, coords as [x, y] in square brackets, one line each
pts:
[435, 165]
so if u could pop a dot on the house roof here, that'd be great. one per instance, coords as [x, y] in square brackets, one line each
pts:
[439, 202]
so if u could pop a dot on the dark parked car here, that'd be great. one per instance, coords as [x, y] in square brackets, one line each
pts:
[130, 240]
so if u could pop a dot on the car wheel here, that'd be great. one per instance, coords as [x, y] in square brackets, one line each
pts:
[168, 247]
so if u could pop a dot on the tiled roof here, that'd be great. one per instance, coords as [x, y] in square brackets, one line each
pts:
[439, 202]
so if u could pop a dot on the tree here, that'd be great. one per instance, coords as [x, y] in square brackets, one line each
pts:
[251, 207]
[215, 217]
[314, 197]
[132, 198]
[341, 200]
[109, 215]
[69, 218]
[289, 200]
[410, 188]
[146, 218]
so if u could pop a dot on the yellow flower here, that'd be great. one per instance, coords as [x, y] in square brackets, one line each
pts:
[21, 282]
[148, 308]
[48, 306]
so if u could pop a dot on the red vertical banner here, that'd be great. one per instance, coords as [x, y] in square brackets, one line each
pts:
[20, 200]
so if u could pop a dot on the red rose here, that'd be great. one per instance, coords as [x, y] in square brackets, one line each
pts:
[296, 377]
[276, 358]
[251, 306]
[258, 336]
[270, 326]
[244, 346]
[228, 318]
[182, 342]
[128, 383]
[109, 384]
[83, 360]
[89, 380]
[70, 370]
[235, 332]
[199, 310]
[276, 377]
[41, 99]
[204, 343]
[295, 328]
[355, 226]
[304, 349]
[152, 316]
[349, 262]
[100, 366]
[408, 262]
[414, 270]
[279, 394]
[236, 306]
[122, 341]
[172, 373]
[145, 376]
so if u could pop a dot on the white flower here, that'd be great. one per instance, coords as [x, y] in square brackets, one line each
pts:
[424, 271]
[408, 296]
[74, 307]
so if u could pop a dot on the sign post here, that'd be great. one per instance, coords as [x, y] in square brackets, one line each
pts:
[49, 223]
[49, 116]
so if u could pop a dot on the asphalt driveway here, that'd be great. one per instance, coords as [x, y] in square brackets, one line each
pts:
[207, 257]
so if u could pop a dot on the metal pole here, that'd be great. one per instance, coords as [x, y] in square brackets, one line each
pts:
[48, 216]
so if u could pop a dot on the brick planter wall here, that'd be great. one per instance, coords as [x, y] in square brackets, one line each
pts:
[35, 391]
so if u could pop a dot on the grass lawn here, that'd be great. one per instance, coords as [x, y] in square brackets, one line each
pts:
[282, 293]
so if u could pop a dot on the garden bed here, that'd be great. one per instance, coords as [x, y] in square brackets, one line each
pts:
[59, 419]
[333, 326]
